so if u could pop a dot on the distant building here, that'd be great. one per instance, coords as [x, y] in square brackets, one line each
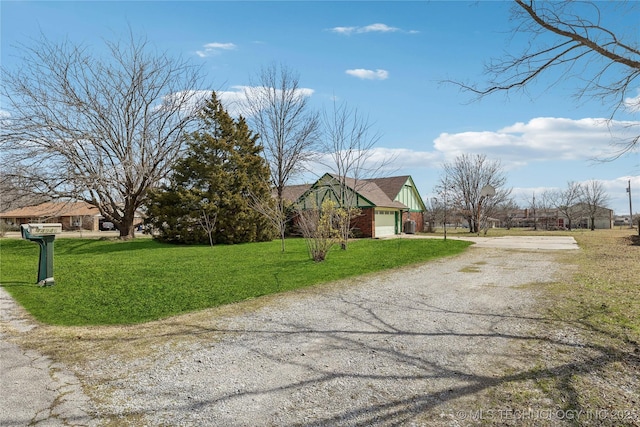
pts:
[72, 215]
[554, 219]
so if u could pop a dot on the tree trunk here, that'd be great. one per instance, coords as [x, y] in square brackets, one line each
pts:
[127, 230]
[126, 227]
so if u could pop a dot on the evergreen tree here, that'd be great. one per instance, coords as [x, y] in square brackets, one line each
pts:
[221, 172]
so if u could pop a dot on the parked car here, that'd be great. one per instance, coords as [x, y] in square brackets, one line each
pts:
[107, 226]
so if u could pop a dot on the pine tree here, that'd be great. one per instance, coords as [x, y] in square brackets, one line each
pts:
[217, 178]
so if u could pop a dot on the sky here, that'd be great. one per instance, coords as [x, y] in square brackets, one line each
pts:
[388, 60]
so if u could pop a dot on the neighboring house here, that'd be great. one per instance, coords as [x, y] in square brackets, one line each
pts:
[603, 217]
[387, 204]
[552, 219]
[72, 215]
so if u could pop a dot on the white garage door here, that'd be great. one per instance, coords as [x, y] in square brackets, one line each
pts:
[385, 223]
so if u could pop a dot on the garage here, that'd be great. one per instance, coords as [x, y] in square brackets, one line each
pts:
[385, 220]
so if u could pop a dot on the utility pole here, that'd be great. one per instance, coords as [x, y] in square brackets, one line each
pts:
[630, 209]
[535, 220]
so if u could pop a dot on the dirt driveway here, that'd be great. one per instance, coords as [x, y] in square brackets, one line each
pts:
[423, 345]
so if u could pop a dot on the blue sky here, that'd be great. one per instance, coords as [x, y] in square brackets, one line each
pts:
[388, 60]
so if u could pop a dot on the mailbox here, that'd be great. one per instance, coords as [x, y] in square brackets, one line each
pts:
[43, 235]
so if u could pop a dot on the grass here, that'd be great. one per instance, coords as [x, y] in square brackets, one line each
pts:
[100, 282]
[599, 303]
[603, 295]
[596, 305]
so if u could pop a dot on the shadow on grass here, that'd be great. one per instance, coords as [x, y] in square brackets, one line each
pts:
[14, 284]
[96, 247]
[634, 240]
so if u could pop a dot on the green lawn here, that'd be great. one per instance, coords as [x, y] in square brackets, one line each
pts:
[102, 282]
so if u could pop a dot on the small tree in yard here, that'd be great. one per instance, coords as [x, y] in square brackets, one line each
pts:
[208, 198]
[208, 223]
[348, 151]
[320, 228]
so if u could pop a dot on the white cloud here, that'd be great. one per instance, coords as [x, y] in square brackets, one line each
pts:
[364, 74]
[404, 158]
[632, 105]
[214, 49]
[542, 138]
[379, 28]
[343, 30]
[396, 161]
[371, 28]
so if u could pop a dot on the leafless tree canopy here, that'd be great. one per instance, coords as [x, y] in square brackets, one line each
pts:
[93, 128]
[464, 179]
[279, 111]
[565, 201]
[348, 141]
[593, 197]
[15, 192]
[569, 38]
[347, 147]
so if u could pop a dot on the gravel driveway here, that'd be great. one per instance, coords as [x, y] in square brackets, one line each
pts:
[409, 346]
[415, 346]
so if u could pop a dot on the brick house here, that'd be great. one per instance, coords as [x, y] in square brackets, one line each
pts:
[554, 219]
[388, 206]
[72, 215]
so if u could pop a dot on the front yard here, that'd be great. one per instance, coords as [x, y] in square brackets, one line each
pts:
[101, 282]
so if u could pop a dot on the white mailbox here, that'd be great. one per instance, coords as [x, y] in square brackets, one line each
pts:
[44, 229]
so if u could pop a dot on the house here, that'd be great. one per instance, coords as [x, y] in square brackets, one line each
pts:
[553, 219]
[603, 217]
[72, 215]
[387, 205]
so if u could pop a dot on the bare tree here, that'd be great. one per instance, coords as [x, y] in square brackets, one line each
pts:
[15, 192]
[467, 175]
[543, 211]
[441, 205]
[570, 38]
[505, 212]
[565, 201]
[279, 111]
[207, 221]
[433, 214]
[347, 150]
[99, 129]
[533, 210]
[320, 227]
[594, 198]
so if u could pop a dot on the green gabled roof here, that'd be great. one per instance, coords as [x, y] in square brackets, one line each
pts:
[395, 186]
[366, 190]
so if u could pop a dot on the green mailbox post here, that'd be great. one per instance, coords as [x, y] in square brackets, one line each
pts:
[43, 235]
